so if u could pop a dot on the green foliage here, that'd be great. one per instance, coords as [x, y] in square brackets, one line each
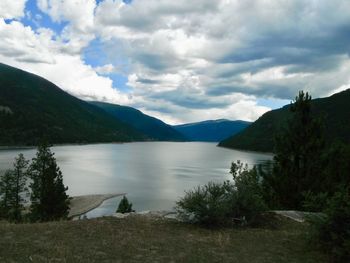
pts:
[208, 205]
[48, 195]
[336, 169]
[12, 189]
[315, 202]
[36, 108]
[260, 135]
[248, 195]
[221, 203]
[124, 206]
[6, 181]
[298, 150]
[332, 232]
[334, 175]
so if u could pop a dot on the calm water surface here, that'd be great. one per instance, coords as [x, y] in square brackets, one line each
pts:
[153, 174]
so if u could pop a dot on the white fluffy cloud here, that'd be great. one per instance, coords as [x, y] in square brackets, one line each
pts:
[204, 54]
[80, 17]
[80, 13]
[189, 60]
[10, 9]
[39, 53]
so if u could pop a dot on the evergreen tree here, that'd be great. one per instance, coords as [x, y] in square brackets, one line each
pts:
[298, 151]
[6, 180]
[48, 196]
[125, 206]
[13, 186]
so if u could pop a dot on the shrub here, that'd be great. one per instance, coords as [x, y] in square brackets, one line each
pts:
[248, 200]
[124, 206]
[222, 203]
[332, 232]
[208, 204]
[315, 202]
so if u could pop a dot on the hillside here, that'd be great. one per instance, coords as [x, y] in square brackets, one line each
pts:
[212, 130]
[335, 111]
[152, 127]
[32, 108]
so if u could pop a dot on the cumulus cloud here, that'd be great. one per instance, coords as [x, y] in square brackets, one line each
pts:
[190, 60]
[79, 14]
[10, 9]
[22, 44]
[40, 53]
[201, 55]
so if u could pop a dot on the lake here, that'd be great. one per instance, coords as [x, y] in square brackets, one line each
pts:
[153, 174]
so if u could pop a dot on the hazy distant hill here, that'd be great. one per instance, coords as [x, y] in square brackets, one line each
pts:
[212, 130]
[260, 135]
[152, 127]
[32, 107]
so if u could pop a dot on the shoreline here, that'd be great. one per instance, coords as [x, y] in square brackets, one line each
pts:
[83, 204]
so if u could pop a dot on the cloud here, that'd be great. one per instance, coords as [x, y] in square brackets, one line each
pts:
[105, 69]
[188, 60]
[79, 14]
[41, 53]
[21, 43]
[268, 49]
[10, 9]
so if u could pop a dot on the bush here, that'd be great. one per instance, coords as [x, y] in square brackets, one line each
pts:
[222, 203]
[124, 206]
[332, 232]
[315, 202]
[248, 194]
[208, 204]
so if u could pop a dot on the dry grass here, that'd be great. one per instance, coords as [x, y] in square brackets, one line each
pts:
[141, 239]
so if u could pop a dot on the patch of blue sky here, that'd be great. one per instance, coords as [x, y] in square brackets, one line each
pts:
[36, 19]
[120, 82]
[94, 54]
[272, 103]
[99, 54]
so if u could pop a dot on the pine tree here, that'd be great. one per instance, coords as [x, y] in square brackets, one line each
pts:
[6, 180]
[48, 196]
[125, 206]
[298, 151]
[13, 186]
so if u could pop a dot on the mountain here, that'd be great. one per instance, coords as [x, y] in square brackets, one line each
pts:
[212, 130]
[334, 110]
[152, 127]
[32, 108]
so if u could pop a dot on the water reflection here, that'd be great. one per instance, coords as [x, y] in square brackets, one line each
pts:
[154, 174]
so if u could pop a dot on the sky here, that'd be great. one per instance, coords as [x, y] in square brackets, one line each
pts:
[182, 61]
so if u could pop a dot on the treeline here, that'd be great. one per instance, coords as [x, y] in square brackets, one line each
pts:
[306, 174]
[39, 180]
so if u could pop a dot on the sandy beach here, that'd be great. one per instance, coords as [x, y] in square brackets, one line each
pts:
[82, 204]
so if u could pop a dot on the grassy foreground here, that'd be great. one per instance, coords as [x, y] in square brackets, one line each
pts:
[141, 239]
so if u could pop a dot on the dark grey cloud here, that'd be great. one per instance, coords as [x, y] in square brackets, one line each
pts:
[190, 100]
[148, 81]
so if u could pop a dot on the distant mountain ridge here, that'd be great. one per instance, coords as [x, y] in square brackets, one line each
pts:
[211, 130]
[335, 110]
[152, 127]
[32, 108]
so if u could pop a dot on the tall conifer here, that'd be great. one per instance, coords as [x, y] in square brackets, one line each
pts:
[49, 198]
